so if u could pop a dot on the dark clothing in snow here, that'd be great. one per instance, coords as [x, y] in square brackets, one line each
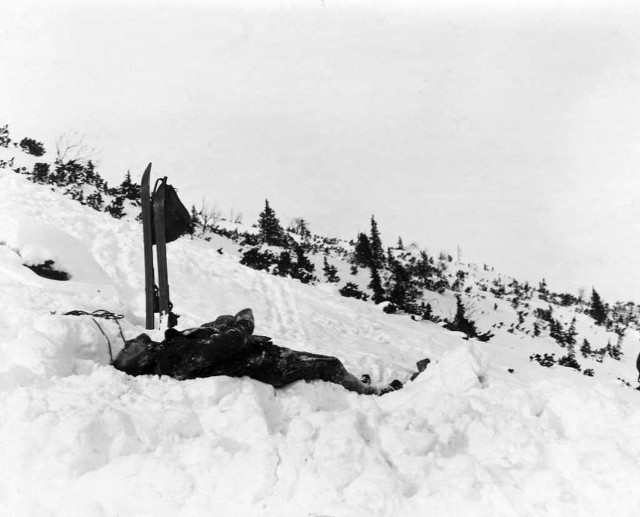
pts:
[422, 366]
[227, 346]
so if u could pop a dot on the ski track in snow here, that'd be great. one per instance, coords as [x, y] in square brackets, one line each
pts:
[78, 438]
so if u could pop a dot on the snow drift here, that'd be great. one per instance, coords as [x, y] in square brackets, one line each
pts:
[467, 437]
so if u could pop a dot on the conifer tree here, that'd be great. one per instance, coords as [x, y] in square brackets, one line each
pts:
[427, 314]
[5, 139]
[350, 290]
[303, 268]
[195, 220]
[536, 329]
[377, 252]
[390, 257]
[362, 251]
[301, 227]
[95, 201]
[460, 321]
[77, 194]
[585, 348]
[463, 324]
[270, 230]
[615, 351]
[284, 265]
[401, 290]
[129, 190]
[116, 207]
[376, 285]
[543, 291]
[423, 270]
[598, 311]
[31, 146]
[555, 331]
[570, 334]
[40, 173]
[330, 272]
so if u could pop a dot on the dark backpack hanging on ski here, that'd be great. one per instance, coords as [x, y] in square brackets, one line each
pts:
[176, 217]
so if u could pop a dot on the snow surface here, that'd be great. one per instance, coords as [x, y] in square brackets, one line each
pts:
[79, 438]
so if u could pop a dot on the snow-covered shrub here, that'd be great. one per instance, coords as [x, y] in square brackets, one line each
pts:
[547, 360]
[330, 272]
[350, 290]
[31, 146]
[257, 259]
[390, 308]
[5, 139]
[569, 361]
[463, 324]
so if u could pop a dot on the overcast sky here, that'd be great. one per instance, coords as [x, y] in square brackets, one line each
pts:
[509, 128]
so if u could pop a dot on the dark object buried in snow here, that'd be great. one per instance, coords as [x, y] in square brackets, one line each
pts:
[422, 366]
[227, 346]
[46, 270]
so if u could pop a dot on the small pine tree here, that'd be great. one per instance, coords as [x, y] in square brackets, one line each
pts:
[77, 195]
[615, 351]
[302, 260]
[376, 285]
[5, 139]
[330, 272]
[95, 201]
[130, 190]
[542, 287]
[256, 259]
[460, 321]
[569, 361]
[32, 147]
[284, 266]
[116, 207]
[463, 324]
[270, 230]
[571, 334]
[543, 292]
[350, 290]
[585, 348]
[303, 268]
[40, 173]
[598, 311]
[377, 252]
[427, 314]
[536, 329]
[362, 252]
[458, 284]
[556, 332]
[301, 227]
[196, 221]
[401, 291]
[423, 269]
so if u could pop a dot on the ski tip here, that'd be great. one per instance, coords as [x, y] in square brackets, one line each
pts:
[147, 172]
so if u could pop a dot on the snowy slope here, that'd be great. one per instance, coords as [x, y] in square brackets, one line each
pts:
[78, 438]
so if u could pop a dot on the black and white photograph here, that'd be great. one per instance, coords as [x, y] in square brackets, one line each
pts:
[319, 258]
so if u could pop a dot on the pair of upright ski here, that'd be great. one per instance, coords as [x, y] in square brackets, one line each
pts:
[153, 229]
